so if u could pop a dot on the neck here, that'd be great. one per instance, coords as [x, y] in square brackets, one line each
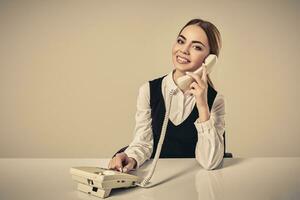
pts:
[176, 75]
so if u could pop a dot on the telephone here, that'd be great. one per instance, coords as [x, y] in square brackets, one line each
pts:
[185, 81]
[99, 181]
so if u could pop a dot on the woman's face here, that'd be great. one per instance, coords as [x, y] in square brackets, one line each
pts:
[190, 49]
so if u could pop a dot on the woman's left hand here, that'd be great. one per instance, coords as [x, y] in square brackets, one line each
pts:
[199, 88]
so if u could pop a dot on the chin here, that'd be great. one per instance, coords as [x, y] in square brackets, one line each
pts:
[183, 68]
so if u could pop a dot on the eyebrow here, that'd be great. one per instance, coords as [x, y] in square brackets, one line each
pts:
[194, 41]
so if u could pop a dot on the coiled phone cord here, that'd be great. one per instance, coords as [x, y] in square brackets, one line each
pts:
[145, 181]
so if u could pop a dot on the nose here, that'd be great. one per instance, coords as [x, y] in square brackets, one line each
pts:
[185, 49]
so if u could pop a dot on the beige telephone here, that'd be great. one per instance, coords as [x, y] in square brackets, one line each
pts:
[185, 81]
[99, 181]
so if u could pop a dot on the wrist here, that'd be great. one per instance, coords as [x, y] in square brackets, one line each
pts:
[201, 103]
[204, 114]
[202, 106]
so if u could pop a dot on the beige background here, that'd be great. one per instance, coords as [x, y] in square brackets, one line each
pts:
[70, 72]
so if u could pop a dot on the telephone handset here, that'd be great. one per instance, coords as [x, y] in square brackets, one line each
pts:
[99, 181]
[185, 81]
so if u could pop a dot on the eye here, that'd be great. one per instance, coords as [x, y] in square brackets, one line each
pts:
[180, 41]
[198, 48]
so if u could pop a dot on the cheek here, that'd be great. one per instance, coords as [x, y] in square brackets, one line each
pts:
[198, 60]
[174, 49]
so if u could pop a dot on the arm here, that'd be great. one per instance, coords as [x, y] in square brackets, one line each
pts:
[142, 145]
[210, 146]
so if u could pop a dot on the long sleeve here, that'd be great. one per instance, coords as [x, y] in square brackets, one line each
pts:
[142, 145]
[210, 146]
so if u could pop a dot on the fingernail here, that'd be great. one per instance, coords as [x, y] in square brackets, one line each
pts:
[120, 169]
[125, 169]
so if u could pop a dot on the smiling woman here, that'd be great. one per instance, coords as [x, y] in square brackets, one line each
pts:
[197, 118]
[207, 40]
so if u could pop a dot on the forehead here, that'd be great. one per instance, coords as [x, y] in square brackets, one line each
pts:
[194, 32]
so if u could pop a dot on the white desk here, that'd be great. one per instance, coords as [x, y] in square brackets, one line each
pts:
[240, 178]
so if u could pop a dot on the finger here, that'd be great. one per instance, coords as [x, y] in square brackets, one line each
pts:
[204, 74]
[129, 166]
[119, 163]
[192, 92]
[196, 86]
[112, 164]
[201, 83]
[187, 92]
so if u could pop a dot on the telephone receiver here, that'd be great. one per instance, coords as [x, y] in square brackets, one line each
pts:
[185, 81]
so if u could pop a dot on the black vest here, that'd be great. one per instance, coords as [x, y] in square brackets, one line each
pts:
[180, 141]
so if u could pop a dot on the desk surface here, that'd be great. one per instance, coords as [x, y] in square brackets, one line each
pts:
[239, 178]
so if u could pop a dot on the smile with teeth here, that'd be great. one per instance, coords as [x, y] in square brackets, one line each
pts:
[182, 60]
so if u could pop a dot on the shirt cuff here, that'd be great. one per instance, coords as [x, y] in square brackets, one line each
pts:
[203, 127]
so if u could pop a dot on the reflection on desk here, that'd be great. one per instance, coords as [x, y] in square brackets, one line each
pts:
[237, 178]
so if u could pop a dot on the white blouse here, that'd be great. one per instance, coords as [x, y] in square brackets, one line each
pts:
[210, 146]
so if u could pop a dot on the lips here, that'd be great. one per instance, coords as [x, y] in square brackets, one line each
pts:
[182, 60]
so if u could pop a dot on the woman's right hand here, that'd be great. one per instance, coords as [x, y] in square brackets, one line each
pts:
[122, 163]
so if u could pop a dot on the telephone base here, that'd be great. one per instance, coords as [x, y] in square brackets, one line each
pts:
[99, 181]
[98, 192]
